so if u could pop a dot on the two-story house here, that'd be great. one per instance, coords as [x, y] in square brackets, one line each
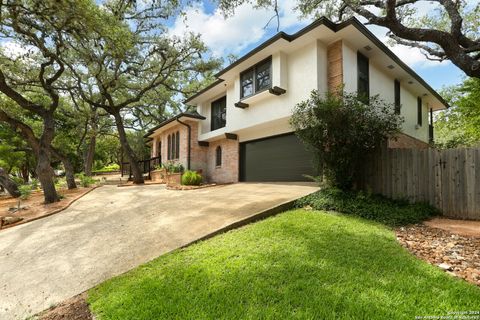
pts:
[241, 129]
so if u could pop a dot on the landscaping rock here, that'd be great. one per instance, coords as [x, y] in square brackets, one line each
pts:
[445, 266]
[456, 255]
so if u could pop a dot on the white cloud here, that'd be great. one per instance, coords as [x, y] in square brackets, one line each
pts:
[233, 34]
[247, 26]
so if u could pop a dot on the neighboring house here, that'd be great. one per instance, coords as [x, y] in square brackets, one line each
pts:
[241, 131]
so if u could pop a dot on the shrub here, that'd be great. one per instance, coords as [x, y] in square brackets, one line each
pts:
[373, 207]
[25, 191]
[110, 168]
[35, 183]
[342, 131]
[60, 183]
[191, 178]
[18, 181]
[86, 181]
[173, 167]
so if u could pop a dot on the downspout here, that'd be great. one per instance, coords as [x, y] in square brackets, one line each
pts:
[189, 141]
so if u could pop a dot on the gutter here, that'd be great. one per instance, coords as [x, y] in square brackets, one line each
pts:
[189, 141]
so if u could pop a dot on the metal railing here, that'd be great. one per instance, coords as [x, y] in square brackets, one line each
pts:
[146, 166]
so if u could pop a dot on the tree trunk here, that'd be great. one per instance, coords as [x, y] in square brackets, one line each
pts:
[69, 174]
[44, 169]
[93, 142]
[24, 170]
[132, 158]
[90, 154]
[8, 184]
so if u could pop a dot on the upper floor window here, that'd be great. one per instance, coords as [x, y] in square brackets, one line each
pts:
[218, 156]
[256, 79]
[363, 89]
[419, 111]
[219, 113]
[397, 96]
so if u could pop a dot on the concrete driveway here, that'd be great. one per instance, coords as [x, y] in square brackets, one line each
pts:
[112, 230]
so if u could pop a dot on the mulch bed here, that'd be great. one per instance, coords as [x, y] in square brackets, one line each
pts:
[34, 208]
[182, 187]
[75, 308]
[457, 255]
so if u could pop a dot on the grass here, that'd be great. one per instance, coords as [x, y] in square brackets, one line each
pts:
[390, 212]
[297, 265]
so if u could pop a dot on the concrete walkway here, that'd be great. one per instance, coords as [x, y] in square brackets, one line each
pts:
[112, 230]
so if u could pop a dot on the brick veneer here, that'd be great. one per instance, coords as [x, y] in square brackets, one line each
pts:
[335, 66]
[404, 141]
[228, 171]
[202, 158]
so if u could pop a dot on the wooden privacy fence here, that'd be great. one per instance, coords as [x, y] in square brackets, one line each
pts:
[447, 179]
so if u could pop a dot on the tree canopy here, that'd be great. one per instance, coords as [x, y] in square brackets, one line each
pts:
[459, 126]
[445, 30]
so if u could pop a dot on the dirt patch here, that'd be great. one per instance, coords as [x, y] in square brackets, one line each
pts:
[461, 227]
[456, 254]
[34, 208]
[75, 308]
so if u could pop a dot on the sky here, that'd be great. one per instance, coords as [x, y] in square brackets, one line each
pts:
[247, 28]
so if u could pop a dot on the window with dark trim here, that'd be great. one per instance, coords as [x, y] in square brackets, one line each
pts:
[256, 79]
[363, 86]
[218, 156]
[419, 111]
[397, 96]
[169, 147]
[218, 113]
[177, 145]
[159, 149]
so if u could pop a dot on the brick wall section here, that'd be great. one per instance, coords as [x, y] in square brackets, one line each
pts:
[228, 171]
[163, 137]
[335, 66]
[198, 156]
[404, 141]
[203, 158]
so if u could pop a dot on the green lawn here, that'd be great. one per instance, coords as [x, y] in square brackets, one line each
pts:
[299, 264]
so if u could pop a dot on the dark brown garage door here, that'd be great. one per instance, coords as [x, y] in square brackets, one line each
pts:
[279, 158]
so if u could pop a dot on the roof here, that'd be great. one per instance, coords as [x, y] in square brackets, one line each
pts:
[191, 115]
[335, 27]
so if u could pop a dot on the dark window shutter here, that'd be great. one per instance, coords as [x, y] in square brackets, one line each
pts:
[397, 97]
[419, 111]
[363, 86]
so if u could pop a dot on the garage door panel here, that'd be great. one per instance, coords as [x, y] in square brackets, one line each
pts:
[281, 158]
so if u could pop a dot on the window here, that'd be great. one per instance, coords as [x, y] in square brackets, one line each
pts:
[256, 79]
[169, 148]
[177, 145]
[419, 111]
[219, 114]
[397, 96]
[218, 156]
[363, 89]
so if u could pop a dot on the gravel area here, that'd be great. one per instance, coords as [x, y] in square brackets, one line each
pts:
[455, 254]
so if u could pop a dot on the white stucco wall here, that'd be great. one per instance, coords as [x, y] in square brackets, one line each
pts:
[383, 85]
[300, 72]
[294, 72]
